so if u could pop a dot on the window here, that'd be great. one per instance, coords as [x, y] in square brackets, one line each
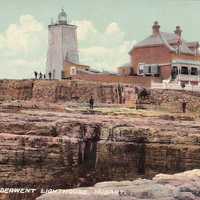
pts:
[149, 69]
[141, 68]
[73, 71]
[194, 71]
[155, 69]
[184, 70]
[174, 72]
[141, 71]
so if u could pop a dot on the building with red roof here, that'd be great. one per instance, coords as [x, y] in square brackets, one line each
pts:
[167, 56]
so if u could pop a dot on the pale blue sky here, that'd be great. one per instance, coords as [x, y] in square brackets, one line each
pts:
[133, 19]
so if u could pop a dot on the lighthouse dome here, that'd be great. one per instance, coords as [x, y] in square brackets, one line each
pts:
[62, 17]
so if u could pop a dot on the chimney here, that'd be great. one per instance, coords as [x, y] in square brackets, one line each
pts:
[178, 31]
[156, 28]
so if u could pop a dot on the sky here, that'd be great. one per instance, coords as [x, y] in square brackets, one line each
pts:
[107, 30]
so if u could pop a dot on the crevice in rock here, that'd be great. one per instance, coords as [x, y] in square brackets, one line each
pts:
[141, 155]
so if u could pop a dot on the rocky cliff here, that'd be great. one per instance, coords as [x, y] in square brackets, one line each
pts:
[70, 147]
[49, 140]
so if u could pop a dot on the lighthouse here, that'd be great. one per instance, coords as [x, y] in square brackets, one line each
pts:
[62, 45]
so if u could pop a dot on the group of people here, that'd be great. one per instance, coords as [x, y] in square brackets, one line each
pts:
[41, 76]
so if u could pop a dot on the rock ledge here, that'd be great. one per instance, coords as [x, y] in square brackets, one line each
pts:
[182, 186]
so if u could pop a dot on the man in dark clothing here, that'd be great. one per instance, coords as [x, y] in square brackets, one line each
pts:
[36, 74]
[44, 76]
[184, 105]
[91, 102]
[49, 75]
[40, 77]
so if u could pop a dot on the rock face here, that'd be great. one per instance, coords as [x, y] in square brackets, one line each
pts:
[172, 99]
[63, 145]
[16, 89]
[66, 90]
[51, 149]
[183, 186]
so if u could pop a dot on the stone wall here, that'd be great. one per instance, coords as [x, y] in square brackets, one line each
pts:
[79, 91]
[16, 89]
[107, 78]
[65, 90]
[172, 99]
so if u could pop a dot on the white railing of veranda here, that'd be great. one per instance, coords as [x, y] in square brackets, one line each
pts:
[174, 86]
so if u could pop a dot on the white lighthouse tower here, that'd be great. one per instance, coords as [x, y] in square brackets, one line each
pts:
[62, 45]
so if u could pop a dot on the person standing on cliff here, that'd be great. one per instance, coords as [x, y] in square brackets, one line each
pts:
[49, 75]
[36, 74]
[91, 101]
[184, 105]
[40, 77]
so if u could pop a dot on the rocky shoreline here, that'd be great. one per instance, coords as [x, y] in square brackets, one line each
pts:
[182, 186]
[60, 146]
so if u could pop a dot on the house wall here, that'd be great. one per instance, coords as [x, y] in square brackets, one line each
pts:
[165, 72]
[104, 78]
[158, 55]
[68, 66]
[150, 55]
